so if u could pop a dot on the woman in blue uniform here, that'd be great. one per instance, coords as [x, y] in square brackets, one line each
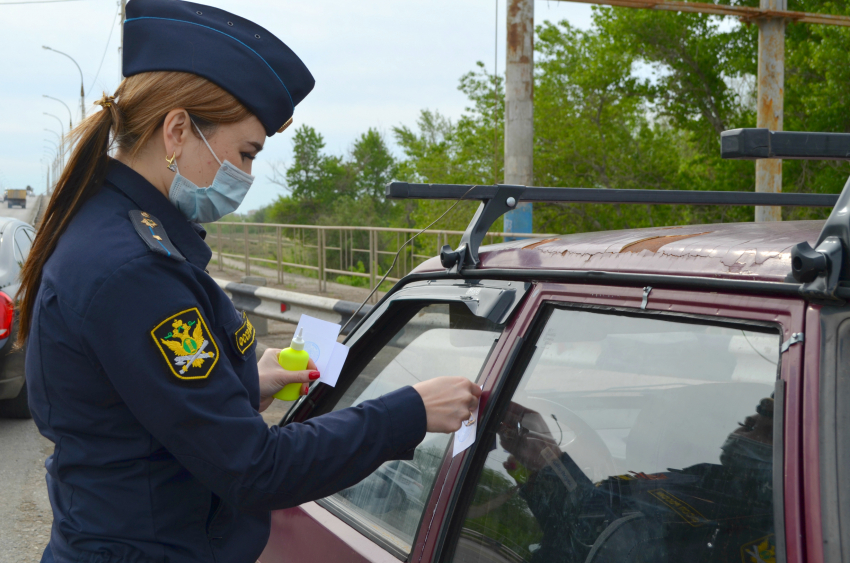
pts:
[135, 366]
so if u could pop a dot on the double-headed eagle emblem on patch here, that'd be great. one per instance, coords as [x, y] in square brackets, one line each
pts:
[186, 344]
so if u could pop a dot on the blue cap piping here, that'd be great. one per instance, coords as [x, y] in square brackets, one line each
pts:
[226, 35]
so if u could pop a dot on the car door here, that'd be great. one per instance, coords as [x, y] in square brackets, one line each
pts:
[635, 424]
[425, 330]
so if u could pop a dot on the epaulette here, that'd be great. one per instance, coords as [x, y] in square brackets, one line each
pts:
[154, 235]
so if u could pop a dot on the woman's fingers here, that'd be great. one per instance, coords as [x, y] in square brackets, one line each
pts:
[449, 401]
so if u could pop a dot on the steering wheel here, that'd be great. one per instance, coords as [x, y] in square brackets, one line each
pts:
[587, 449]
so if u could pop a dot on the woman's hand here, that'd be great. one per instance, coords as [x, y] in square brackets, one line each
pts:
[273, 378]
[449, 401]
[525, 435]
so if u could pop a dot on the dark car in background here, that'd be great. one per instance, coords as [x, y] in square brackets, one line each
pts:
[16, 238]
[668, 394]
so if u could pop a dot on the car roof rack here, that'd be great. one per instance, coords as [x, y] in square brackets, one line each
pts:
[498, 200]
[752, 144]
[819, 269]
[822, 268]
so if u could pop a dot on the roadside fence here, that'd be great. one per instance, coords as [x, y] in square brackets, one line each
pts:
[352, 252]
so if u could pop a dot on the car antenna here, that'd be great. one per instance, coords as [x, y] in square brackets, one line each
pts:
[395, 258]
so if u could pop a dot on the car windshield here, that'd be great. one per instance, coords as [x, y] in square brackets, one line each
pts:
[439, 339]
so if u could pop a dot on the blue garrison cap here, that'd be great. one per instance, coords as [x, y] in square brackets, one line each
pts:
[241, 57]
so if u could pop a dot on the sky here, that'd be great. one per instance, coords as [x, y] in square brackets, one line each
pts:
[377, 63]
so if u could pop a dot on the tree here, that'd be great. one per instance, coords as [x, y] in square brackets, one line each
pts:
[372, 166]
[593, 129]
[314, 179]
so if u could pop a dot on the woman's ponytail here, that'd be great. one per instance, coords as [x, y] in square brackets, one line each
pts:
[80, 180]
[128, 120]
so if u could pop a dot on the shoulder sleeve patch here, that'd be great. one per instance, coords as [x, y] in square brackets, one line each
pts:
[186, 345]
[244, 336]
[151, 231]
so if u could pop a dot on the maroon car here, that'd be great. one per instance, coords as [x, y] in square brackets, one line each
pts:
[671, 394]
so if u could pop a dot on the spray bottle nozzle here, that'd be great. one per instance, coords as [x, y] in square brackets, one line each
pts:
[298, 341]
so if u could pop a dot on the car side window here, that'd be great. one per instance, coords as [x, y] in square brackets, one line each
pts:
[22, 244]
[439, 339]
[631, 438]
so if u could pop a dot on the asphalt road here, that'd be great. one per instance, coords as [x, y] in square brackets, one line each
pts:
[25, 514]
[16, 212]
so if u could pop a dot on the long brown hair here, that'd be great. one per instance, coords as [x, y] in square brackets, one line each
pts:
[130, 119]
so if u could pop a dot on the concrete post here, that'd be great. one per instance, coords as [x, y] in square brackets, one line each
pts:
[771, 87]
[519, 108]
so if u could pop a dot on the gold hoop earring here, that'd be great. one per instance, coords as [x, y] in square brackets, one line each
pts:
[171, 164]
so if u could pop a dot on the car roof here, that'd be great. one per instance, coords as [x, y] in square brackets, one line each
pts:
[6, 221]
[751, 251]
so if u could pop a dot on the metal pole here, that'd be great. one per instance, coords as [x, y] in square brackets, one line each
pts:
[519, 108]
[82, 86]
[372, 272]
[62, 138]
[771, 83]
[496, 97]
[320, 251]
[123, 17]
[247, 261]
[70, 118]
[279, 257]
[218, 240]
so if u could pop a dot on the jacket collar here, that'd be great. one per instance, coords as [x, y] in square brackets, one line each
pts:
[186, 236]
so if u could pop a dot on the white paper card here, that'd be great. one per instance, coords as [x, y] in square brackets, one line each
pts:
[319, 339]
[320, 342]
[465, 437]
[330, 374]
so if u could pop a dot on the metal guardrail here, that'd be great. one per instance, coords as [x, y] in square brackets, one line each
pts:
[40, 203]
[325, 251]
[288, 306]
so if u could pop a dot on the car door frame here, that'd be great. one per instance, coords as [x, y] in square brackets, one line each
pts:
[364, 545]
[788, 312]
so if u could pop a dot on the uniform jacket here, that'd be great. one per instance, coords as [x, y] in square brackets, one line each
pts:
[144, 376]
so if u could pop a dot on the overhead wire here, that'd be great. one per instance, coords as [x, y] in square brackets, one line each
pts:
[106, 49]
[36, 2]
[395, 258]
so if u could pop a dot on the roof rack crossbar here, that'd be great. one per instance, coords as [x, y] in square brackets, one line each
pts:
[403, 190]
[821, 269]
[498, 200]
[753, 144]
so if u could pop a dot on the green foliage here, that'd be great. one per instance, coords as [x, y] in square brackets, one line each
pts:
[636, 101]
[329, 189]
[499, 512]
[593, 130]
[356, 281]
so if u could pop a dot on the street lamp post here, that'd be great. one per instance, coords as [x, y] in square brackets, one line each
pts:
[70, 119]
[62, 138]
[82, 86]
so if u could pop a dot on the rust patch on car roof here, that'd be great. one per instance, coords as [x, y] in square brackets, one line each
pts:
[539, 243]
[653, 244]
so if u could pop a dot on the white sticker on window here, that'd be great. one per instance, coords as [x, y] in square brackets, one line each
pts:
[465, 437]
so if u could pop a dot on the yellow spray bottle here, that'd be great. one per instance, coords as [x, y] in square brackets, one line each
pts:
[294, 358]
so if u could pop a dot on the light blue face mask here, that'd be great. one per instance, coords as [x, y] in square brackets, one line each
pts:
[205, 205]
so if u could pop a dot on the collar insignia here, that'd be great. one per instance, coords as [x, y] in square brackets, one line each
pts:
[150, 229]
